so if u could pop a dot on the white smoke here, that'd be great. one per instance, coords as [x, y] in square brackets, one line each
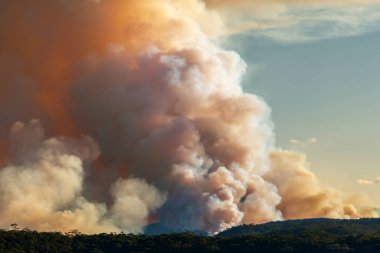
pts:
[174, 138]
[42, 188]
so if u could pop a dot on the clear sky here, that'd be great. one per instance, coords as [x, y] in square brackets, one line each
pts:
[325, 100]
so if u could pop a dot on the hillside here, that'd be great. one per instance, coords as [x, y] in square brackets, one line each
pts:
[304, 236]
[331, 226]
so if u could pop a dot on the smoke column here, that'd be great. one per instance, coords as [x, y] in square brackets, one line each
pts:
[115, 114]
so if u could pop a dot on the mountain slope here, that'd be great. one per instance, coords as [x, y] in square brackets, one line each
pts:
[331, 226]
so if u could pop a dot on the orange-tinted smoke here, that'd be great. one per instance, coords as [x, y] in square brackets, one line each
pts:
[149, 83]
[46, 39]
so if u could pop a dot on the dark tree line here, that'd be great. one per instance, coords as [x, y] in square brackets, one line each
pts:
[32, 241]
[305, 236]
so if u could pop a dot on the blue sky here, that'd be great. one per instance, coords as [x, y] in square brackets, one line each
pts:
[325, 100]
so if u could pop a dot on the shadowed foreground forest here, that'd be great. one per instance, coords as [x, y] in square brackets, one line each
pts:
[318, 235]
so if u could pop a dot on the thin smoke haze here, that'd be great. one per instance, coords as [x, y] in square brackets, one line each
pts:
[117, 114]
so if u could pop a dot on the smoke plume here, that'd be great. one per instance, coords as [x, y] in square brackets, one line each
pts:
[144, 121]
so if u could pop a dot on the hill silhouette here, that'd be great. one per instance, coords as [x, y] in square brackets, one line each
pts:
[331, 226]
[304, 236]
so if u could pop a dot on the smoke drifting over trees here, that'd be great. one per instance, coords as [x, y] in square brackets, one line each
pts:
[144, 121]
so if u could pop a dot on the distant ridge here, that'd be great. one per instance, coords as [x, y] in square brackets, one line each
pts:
[331, 226]
[301, 226]
[159, 229]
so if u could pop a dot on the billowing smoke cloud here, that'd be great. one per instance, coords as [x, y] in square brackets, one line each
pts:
[303, 196]
[43, 183]
[151, 124]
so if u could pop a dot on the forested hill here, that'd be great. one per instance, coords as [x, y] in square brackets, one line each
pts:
[331, 226]
[304, 236]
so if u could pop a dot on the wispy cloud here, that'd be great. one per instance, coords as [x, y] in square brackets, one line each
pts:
[306, 25]
[300, 21]
[312, 140]
[303, 143]
[368, 182]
